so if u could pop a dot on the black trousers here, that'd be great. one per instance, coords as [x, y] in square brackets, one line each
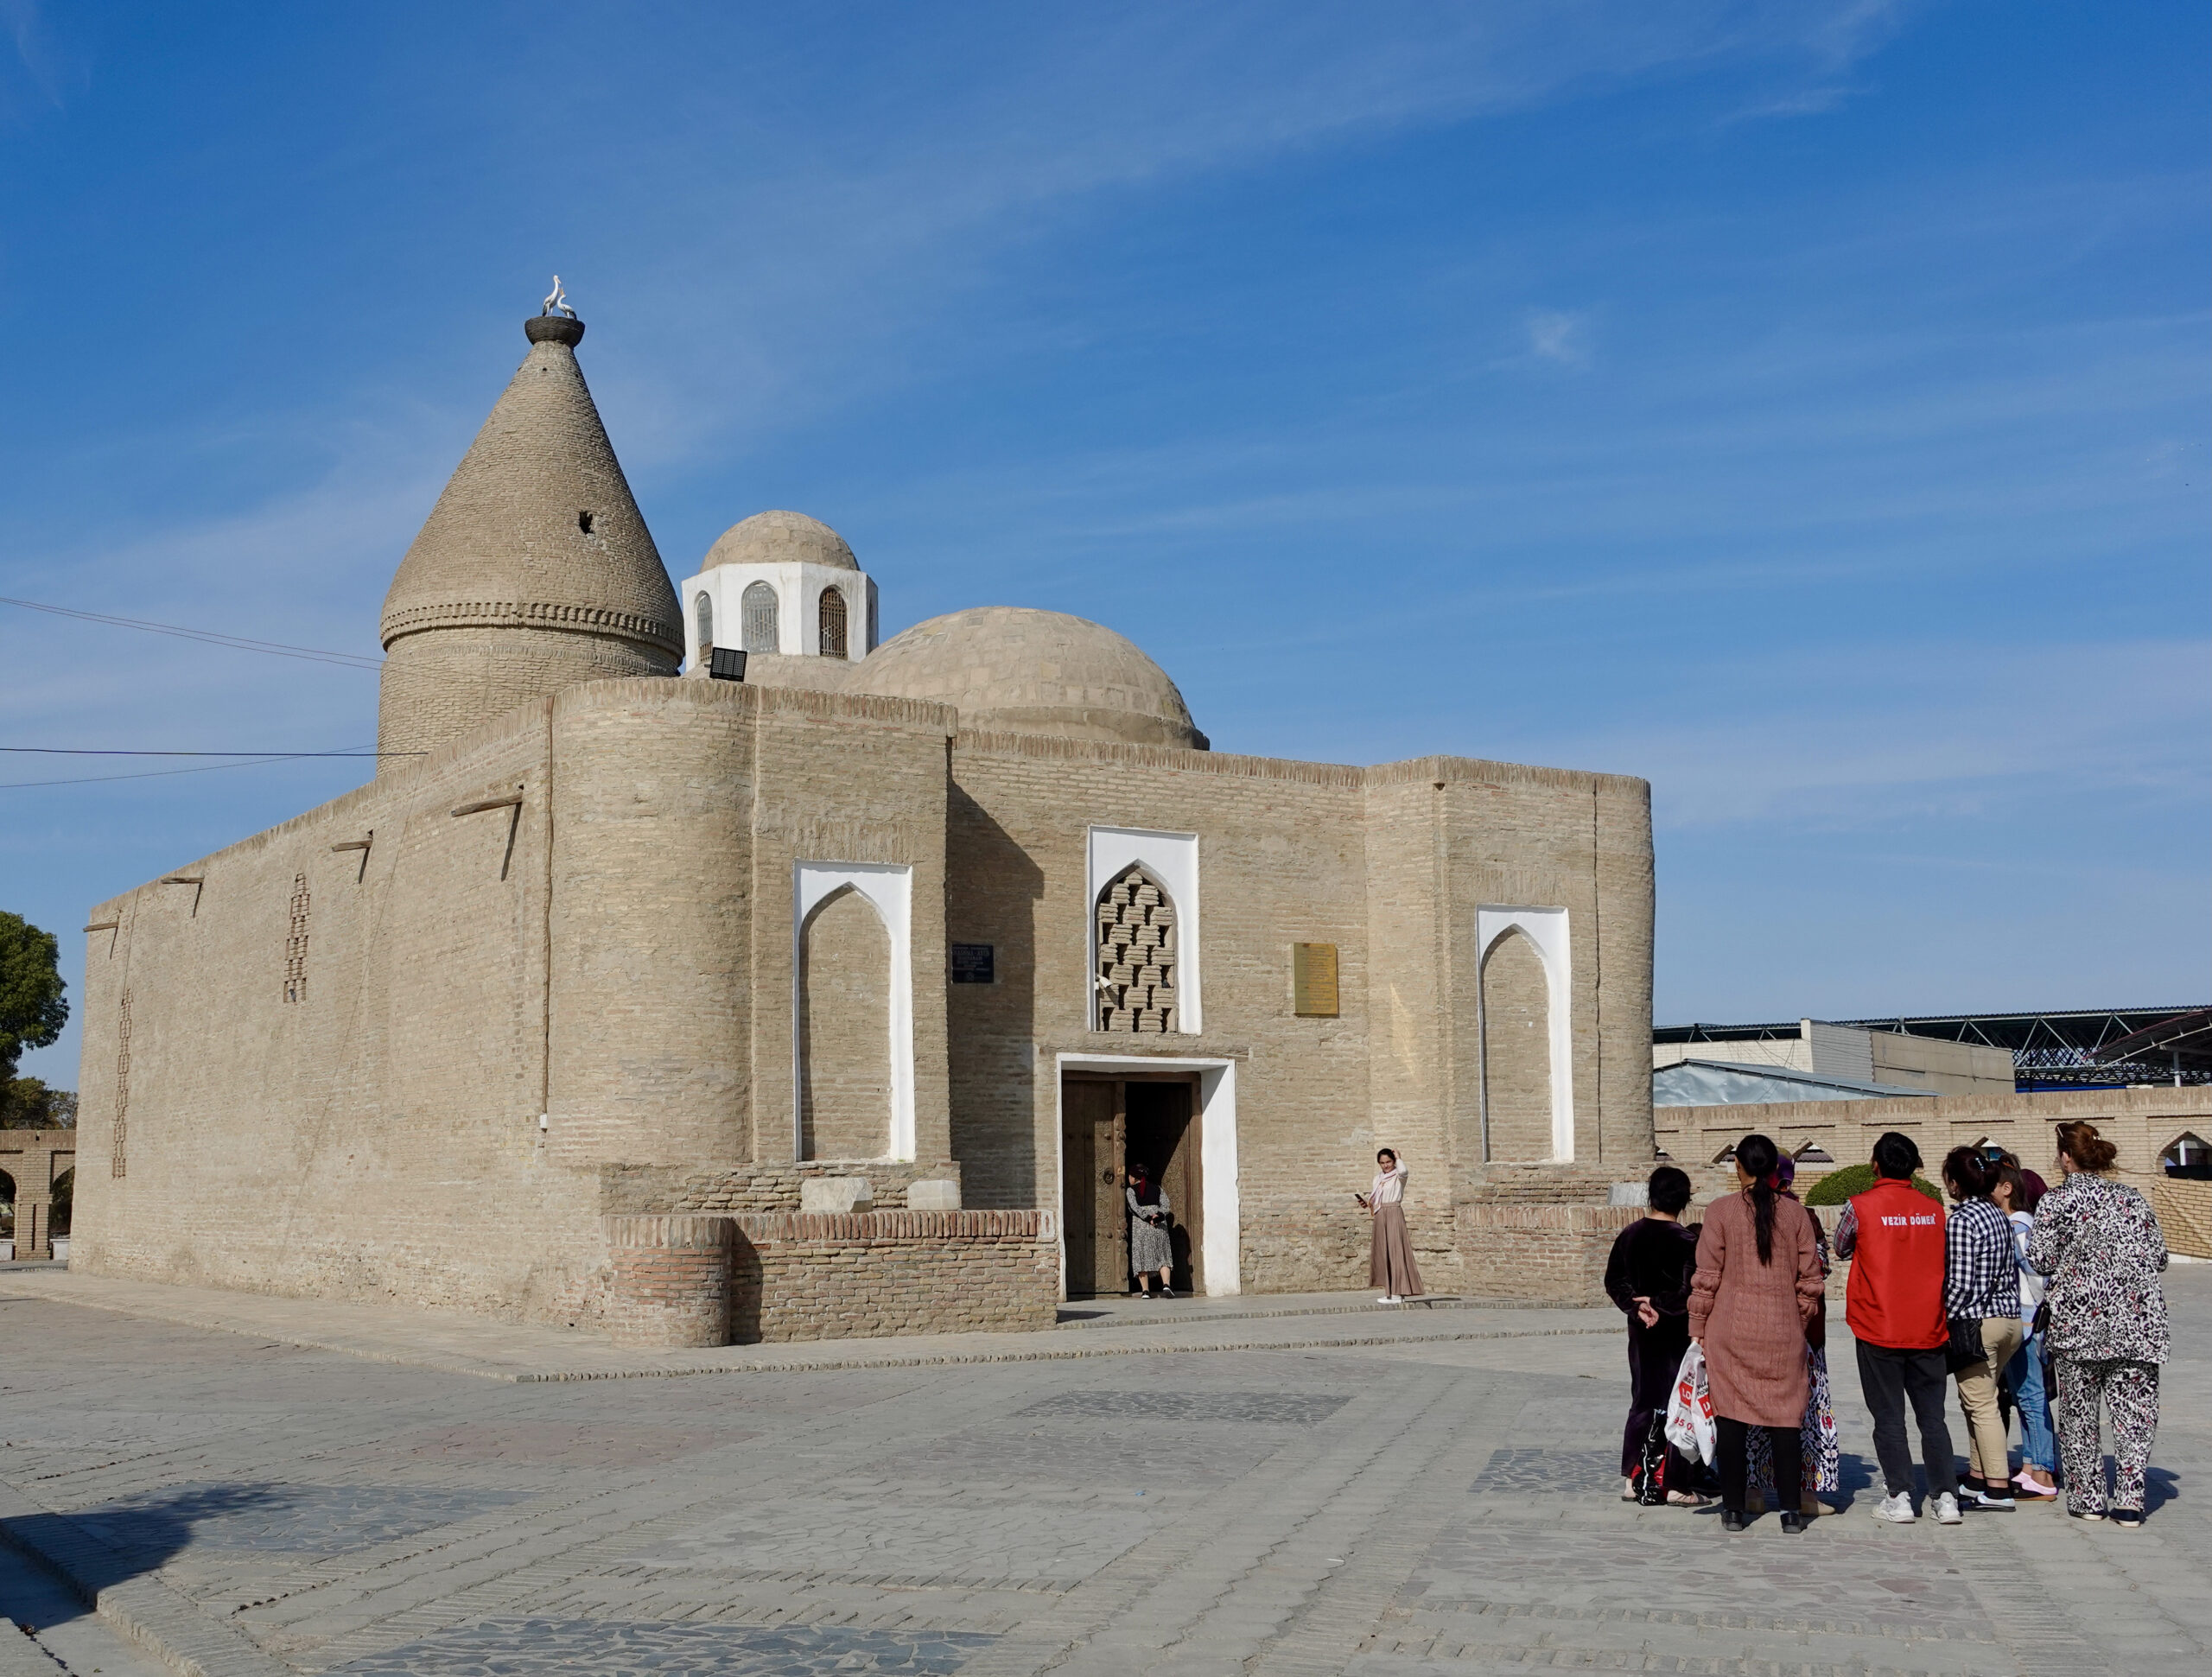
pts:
[1734, 1440]
[1888, 1378]
[1654, 1357]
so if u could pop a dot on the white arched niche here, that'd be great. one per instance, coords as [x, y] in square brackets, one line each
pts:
[1546, 928]
[1171, 859]
[890, 887]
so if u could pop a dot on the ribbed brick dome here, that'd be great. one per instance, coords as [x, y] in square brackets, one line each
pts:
[769, 538]
[1034, 672]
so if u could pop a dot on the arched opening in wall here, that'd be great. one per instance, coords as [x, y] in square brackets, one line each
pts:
[7, 1206]
[832, 616]
[1517, 1050]
[758, 609]
[1134, 978]
[65, 1194]
[844, 1024]
[702, 618]
[2188, 1157]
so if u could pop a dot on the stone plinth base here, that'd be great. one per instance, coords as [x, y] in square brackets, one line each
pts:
[1539, 1255]
[879, 1273]
[670, 1280]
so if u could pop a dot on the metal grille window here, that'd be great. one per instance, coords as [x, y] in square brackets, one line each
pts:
[833, 624]
[759, 605]
[1135, 981]
[702, 611]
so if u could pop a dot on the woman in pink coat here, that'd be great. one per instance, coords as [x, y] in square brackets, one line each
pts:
[1757, 1290]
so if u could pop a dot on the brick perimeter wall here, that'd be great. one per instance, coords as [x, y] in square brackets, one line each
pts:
[877, 1273]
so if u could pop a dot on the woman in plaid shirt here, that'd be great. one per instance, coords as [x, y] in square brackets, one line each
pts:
[1981, 1283]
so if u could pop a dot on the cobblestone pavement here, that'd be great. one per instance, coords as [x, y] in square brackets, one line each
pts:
[1415, 1503]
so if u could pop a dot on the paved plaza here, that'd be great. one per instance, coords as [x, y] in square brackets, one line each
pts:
[253, 1487]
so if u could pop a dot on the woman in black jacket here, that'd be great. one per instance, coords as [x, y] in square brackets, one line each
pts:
[1649, 1276]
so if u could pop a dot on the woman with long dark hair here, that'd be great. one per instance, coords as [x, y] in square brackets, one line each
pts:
[1390, 1262]
[2100, 1244]
[1755, 1295]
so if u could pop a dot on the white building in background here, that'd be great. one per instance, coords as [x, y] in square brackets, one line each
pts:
[1726, 1065]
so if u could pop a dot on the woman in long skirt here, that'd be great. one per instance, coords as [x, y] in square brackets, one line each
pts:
[1821, 1463]
[1152, 1245]
[1391, 1265]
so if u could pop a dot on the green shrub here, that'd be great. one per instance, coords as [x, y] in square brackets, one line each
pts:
[1853, 1180]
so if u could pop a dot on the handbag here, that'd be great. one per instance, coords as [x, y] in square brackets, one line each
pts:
[1689, 1412]
[1964, 1349]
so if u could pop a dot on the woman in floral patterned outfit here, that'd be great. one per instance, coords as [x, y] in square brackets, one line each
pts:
[2101, 1245]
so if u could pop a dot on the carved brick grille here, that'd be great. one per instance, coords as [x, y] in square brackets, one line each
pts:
[121, 1084]
[833, 624]
[1136, 956]
[296, 944]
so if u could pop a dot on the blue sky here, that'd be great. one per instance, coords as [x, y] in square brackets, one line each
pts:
[1802, 406]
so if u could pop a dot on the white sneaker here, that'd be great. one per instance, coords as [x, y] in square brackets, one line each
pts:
[1389, 1298]
[1896, 1509]
[1946, 1510]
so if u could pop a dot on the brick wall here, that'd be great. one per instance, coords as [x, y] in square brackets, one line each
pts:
[879, 1273]
[668, 1282]
[1547, 1254]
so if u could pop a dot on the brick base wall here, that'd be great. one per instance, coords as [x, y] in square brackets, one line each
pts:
[879, 1273]
[669, 1282]
[1539, 1255]
[740, 1189]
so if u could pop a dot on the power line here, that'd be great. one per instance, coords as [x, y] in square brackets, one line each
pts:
[102, 751]
[237, 642]
[203, 768]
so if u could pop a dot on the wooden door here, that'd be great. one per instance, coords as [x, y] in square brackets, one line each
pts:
[1093, 1215]
[1163, 1133]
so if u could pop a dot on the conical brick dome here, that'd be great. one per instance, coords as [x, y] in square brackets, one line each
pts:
[534, 570]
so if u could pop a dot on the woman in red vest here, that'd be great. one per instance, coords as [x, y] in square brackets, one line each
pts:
[1757, 1292]
[1893, 1235]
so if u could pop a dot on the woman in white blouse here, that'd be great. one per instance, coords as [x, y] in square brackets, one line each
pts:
[1391, 1265]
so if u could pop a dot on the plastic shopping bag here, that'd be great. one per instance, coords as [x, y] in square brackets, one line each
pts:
[1689, 1415]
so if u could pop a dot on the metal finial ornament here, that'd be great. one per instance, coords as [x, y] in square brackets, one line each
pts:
[557, 302]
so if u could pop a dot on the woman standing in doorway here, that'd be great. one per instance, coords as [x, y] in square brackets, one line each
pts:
[2101, 1246]
[1757, 1292]
[1390, 1265]
[1152, 1249]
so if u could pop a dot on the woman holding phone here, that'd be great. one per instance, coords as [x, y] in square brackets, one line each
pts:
[1390, 1264]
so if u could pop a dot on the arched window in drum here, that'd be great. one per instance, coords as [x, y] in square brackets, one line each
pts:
[833, 624]
[702, 614]
[760, 609]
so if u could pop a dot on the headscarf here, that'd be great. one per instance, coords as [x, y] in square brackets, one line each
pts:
[2032, 1188]
[1784, 1173]
[1147, 1191]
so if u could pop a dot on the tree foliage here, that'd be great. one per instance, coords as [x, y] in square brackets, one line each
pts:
[32, 1009]
[1852, 1180]
[29, 1103]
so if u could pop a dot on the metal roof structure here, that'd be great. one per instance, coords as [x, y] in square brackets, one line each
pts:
[2090, 1048]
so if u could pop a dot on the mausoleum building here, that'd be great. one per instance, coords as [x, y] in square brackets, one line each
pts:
[838, 999]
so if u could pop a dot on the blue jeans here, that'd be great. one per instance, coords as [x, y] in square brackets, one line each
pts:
[2024, 1372]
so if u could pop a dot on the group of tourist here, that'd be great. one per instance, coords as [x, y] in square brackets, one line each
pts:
[2023, 1294]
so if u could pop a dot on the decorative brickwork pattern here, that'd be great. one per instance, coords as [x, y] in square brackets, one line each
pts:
[823, 1277]
[295, 944]
[1137, 955]
[115, 1166]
